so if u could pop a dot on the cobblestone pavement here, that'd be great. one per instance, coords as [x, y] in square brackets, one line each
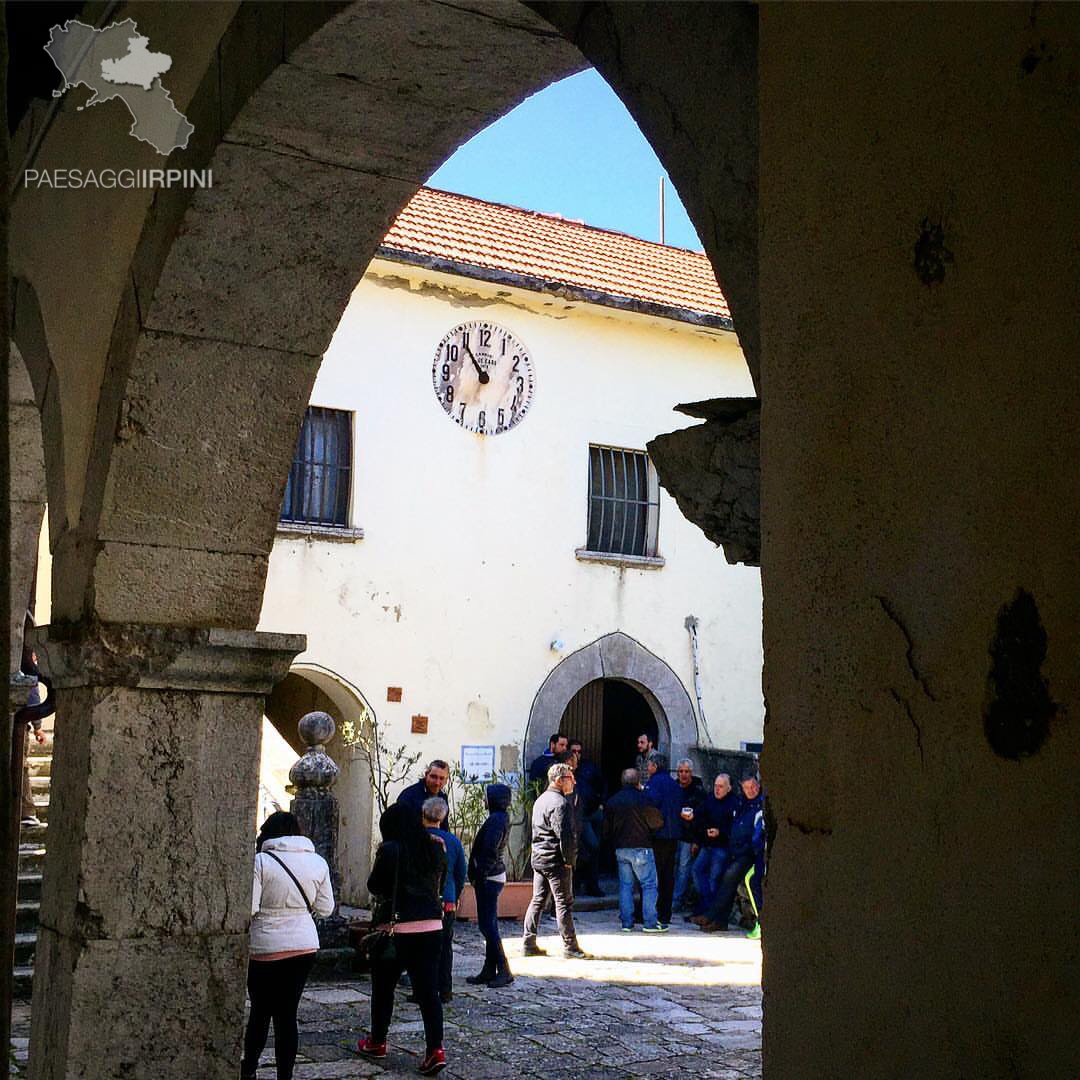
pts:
[682, 1004]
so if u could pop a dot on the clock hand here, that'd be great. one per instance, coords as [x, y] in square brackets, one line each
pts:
[484, 376]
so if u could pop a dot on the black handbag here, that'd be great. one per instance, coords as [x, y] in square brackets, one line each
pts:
[378, 946]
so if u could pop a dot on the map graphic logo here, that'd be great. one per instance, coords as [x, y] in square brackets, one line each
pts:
[116, 62]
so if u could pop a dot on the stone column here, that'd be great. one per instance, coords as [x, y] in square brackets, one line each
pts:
[147, 893]
[316, 808]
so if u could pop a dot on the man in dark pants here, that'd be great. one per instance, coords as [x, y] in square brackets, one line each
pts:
[591, 792]
[630, 820]
[434, 814]
[746, 848]
[553, 854]
[665, 794]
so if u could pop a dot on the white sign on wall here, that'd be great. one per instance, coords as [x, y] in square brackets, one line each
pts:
[478, 762]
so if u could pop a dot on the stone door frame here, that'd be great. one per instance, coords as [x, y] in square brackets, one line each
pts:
[615, 656]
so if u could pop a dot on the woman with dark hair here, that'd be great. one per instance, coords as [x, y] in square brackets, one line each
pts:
[292, 883]
[406, 885]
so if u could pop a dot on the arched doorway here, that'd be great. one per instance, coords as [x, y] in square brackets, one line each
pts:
[308, 688]
[634, 685]
[608, 715]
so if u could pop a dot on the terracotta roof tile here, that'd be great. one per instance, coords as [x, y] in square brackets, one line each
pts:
[470, 232]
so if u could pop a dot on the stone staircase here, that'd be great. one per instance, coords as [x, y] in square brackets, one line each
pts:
[32, 842]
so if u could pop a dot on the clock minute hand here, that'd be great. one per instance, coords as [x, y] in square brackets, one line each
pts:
[484, 376]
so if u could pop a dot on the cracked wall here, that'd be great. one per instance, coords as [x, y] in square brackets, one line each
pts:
[919, 421]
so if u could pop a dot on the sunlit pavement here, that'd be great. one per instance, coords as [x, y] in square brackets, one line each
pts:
[681, 1004]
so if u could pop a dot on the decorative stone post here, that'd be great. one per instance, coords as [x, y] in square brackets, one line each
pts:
[316, 808]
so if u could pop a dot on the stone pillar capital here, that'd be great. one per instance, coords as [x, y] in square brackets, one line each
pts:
[161, 657]
[19, 689]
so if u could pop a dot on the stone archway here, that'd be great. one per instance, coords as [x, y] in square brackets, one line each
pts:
[615, 656]
[309, 687]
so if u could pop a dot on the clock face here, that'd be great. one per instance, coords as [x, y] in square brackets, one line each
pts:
[483, 377]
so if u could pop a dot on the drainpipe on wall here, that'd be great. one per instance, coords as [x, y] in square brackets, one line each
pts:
[691, 624]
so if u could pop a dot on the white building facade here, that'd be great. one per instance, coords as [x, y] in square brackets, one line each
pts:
[480, 578]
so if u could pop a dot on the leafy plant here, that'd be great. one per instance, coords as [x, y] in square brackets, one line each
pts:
[468, 804]
[387, 766]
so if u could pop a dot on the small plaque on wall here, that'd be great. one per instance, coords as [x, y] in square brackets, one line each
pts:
[478, 762]
[393, 693]
[419, 725]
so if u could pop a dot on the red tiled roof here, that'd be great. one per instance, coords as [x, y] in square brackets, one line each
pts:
[460, 230]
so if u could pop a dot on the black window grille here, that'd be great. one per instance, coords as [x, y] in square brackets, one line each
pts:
[624, 501]
[317, 491]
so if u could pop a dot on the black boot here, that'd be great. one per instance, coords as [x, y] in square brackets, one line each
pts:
[483, 976]
[502, 978]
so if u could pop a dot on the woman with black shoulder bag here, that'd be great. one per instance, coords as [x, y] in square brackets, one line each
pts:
[292, 883]
[406, 885]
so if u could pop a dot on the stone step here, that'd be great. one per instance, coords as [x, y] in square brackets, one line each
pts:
[41, 766]
[26, 917]
[23, 983]
[25, 944]
[41, 806]
[39, 785]
[29, 887]
[31, 858]
[33, 834]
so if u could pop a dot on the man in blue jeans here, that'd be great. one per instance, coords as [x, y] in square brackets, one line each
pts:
[630, 821]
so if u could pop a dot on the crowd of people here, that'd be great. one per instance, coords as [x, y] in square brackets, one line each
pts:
[677, 846]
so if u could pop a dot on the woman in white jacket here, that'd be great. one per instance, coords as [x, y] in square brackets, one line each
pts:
[292, 883]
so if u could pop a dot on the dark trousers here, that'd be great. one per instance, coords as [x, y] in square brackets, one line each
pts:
[418, 954]
[274, 987]
[588, 861]
[734, 872]
[667, 855]
[487, 921]
[446, 954]
[556, 883]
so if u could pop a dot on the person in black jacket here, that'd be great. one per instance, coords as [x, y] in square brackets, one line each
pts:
[487, 873]
[591, 792]
[406, 885]
[554, 848]
[713, 823]
[432, 785]
[693, 797]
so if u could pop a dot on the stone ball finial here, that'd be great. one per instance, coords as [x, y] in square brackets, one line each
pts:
[315, 772]
[316, 728]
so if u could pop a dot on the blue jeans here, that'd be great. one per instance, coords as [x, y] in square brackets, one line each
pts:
[636, 864]
[708, 867]
[683, 864]
[487, 922]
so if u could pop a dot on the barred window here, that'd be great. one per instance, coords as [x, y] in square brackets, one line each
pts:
[317, 491]
[624, 502]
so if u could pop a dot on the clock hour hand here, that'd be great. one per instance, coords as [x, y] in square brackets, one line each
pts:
[484, 376]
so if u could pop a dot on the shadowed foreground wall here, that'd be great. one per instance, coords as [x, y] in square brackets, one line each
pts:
[920, 430]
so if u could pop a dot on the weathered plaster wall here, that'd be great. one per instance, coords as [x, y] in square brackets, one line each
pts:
[920, 430]
[467, 569]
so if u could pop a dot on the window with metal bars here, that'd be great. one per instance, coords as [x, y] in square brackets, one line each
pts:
[624, 502]
[317, 491]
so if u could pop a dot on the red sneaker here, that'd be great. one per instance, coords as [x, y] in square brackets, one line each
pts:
[371, 1049]
[434, 1062]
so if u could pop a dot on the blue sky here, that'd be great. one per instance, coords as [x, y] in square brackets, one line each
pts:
[571, 149]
